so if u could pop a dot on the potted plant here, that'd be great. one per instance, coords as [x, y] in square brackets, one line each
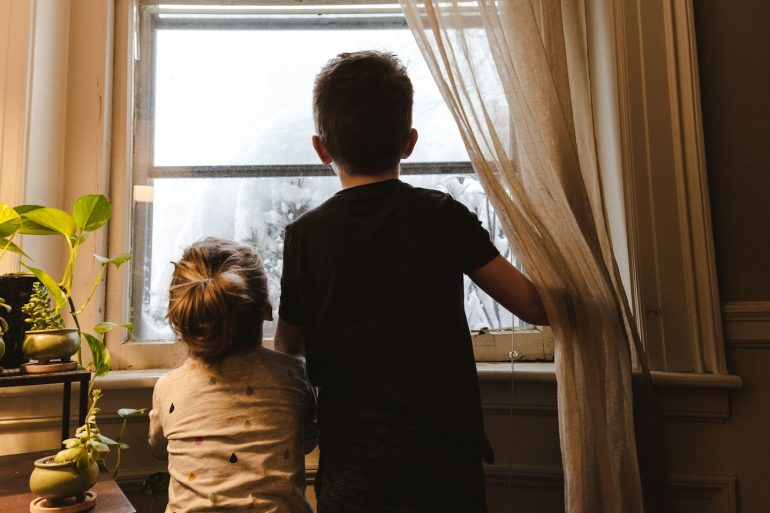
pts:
[89, 213]
[64, 478]
[48, 339]
[77, 463]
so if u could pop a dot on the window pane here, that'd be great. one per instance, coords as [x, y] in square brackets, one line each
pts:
[256, 211]
[238, 97]
[221, 97]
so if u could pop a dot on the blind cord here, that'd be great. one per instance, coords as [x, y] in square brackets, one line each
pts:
[513, 355]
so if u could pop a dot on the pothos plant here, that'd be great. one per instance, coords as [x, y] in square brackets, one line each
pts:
[89, 213]
[89, 444]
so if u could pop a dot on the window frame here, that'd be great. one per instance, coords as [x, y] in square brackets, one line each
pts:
[641, 49]
[141, 354]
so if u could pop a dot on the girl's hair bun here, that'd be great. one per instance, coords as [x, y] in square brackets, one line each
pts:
[217, 298]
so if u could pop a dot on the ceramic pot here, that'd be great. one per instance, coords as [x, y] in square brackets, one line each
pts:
[61, 480]
[16, 289]
[44, 345]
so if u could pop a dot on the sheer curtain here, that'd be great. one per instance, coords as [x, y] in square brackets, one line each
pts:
[515, 75]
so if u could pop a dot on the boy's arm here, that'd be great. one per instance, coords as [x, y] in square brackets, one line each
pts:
[289, 339]
[506, 285]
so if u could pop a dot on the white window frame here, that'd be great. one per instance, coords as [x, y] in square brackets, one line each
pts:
[650, 127]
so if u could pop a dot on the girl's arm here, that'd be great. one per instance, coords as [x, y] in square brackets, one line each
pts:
[156, 439]
[310, 434]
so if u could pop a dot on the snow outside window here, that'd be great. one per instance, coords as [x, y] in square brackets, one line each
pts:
[222, 141]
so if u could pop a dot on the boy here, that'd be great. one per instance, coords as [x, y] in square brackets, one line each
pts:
[372, 294]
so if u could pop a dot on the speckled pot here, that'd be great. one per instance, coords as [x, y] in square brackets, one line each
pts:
[61, 480]
[44, 345]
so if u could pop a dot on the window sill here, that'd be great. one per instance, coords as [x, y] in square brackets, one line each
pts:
[680, 396]
[543, 372]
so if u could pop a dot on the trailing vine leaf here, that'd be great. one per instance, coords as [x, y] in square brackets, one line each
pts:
[102, 361]
[104, 327]
[52, 219]
[117, 261]
[130, 412]
[53, 288]
[91, 212]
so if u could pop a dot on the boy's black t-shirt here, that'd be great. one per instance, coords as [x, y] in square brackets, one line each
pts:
[375, 277]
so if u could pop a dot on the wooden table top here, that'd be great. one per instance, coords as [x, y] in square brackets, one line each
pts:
[15, 495]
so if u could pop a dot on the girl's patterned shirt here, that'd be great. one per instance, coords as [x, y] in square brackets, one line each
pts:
[236, 433]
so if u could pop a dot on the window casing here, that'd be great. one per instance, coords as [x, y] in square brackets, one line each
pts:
[648, 117]
[272, 187]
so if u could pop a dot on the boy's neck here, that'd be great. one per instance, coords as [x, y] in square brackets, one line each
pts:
[348, 180]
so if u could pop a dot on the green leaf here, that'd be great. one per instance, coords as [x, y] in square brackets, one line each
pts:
[53, 288]
[50, 218]
[156, 483]
[76, 240]
[10, 221]
[82, 463]
[30, 227]
[91, 212]
[99, 446]
[69, 443]
[104, 327]
[102, 361]
[6, 244]
[130, 412]
[116, 260]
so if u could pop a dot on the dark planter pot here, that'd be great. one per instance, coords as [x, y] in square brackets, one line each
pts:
[16, 289]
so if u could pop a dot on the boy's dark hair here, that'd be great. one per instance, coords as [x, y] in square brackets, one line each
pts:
[362, 107]
[217, 298]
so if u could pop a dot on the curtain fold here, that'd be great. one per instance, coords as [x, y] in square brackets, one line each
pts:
[515, 76]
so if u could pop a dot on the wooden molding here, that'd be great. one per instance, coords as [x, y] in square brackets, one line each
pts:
[525, 475]
[747, 324]
[672, 259]
[713, 492]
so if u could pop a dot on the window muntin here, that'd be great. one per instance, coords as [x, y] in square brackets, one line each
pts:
[213, 157]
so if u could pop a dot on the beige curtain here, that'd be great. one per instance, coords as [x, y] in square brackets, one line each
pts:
[515, 75]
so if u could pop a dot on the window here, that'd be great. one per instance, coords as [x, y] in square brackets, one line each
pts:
[222, 137]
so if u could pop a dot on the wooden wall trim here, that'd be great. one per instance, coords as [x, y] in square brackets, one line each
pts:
[747, 324]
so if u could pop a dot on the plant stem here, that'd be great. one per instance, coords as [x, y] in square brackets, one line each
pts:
[93, 289]
[77, 325]
[117, 456]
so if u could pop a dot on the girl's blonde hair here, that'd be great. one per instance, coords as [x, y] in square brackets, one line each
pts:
[217, 298]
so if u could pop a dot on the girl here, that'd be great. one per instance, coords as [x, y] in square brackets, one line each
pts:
[236, 419]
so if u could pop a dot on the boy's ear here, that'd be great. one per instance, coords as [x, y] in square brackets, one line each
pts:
[410, 143]
[267, 315]
[321, 150]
